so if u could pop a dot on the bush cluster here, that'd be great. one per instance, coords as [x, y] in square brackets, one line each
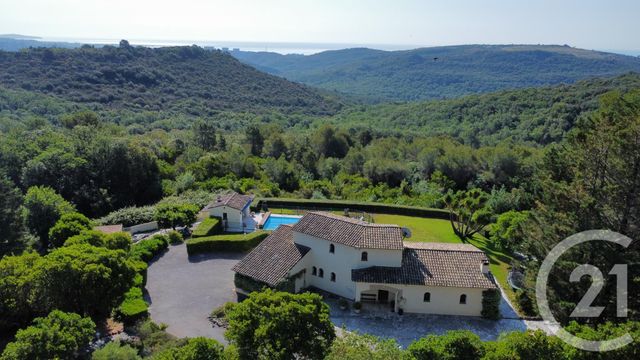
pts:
[129, 216]
[133, 308]
[147, 249]
[209, 226]
[225, 242]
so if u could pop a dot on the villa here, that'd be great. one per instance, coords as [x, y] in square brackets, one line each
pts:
[233, 210]
[368, 262]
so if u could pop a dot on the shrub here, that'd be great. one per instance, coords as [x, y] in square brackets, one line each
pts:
[115, 351]
[225, 242]
[133, 307]
[352, 205]
[175, 237]
[115, 241]
[147, 249]
[172, 215]
[68, 225]
[458, 344]
[209, 226]
[128, 216]
[491, 304]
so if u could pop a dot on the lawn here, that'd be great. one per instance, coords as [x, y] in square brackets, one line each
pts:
[437, 230]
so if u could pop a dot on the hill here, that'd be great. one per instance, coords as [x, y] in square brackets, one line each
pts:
[441, 72]
[188, 80]
[534, 115]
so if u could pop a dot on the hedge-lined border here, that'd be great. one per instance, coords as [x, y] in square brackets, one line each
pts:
[225, 242]
[209, 226]
[375, 208]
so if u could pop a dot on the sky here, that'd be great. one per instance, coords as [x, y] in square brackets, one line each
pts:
[590, 24]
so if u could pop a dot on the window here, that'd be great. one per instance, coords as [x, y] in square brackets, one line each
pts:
[314, 271]
[463, 299]
[321, 273]
[426, 297]
[332, 248]
[364, 256]
[333, 277]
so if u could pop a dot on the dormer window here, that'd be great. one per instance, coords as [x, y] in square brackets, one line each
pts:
[314, 271]
[364, 256]
[332, 248]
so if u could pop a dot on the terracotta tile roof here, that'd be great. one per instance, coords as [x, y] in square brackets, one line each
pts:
[272, 260]
[109, 229]
[430, 264]
[232, 200]
[350, 232]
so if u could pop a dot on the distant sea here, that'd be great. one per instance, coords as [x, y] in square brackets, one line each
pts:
[277, 47]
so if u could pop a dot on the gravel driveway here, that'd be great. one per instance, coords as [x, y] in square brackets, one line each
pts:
[183, 290]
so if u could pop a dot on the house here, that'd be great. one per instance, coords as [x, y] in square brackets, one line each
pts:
[234, 211]
[369, 262]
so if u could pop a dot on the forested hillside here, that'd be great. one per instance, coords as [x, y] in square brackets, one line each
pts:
[533, 115]
[441, 72]
[187, 80]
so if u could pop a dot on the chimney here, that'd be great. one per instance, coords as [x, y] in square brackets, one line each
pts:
[485, 266]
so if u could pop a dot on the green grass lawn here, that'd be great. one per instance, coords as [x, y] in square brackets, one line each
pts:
[437, 230]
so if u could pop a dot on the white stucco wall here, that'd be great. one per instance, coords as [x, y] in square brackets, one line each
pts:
[341, 262]
[444, 300]
[234, 217]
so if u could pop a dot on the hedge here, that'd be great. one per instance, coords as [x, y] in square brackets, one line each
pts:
[133, 308]
[351, 205]
[147, 249]
[209, 226]
[225, 242]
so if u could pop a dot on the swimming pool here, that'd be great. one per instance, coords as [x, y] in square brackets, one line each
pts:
[274, 221]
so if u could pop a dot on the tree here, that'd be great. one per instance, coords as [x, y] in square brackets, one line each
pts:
[198, 348]
[255, 139]
[173, 215]
[11, 223]
[330, 142]
[60, 335]
[69, 224]
[280, 325]
[283, 173]
[85, 118]
[115, 351]
[17, 290]
[84, 279]
[43, 209]
[353, 346]
[114, 241]
[467, 212]
[205, 134]
[455, 345]
[526, 345]
[508, 231]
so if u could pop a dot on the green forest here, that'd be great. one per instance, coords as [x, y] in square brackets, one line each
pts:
[440, 72]
[132, 132]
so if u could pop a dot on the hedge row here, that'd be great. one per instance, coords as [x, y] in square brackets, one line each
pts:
[133, 307]
[351, 205]
[147, 249]
[209, 226]
[225, 242]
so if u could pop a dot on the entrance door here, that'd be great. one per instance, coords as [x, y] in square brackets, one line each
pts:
[383, 296]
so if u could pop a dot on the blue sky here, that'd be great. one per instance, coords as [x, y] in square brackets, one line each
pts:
[591, 24]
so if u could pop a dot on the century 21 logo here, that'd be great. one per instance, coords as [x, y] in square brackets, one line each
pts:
[584, 308]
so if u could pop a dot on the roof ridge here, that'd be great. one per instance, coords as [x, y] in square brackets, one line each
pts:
[351, 220]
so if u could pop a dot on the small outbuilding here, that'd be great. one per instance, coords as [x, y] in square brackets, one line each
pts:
[233, 209]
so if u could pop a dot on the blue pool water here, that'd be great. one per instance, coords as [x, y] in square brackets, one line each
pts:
[274, 221]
